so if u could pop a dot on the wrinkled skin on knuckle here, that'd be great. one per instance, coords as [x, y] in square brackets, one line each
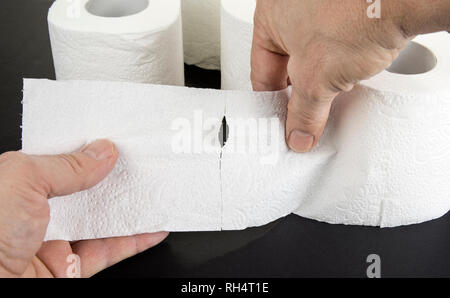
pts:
[312, 118]
[319, 30]
[346, 66]
[311, 80]
[76, 169]
[367, 63]
[75, 164]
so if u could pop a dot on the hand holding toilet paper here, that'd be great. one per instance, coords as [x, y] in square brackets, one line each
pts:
[383, 160]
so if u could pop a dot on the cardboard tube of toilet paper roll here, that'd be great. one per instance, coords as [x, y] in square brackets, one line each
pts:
[117, 40]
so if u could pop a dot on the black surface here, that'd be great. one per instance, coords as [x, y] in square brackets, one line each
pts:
[289, 247]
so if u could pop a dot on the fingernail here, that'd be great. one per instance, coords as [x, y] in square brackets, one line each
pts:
[99, 150]
[300, 141]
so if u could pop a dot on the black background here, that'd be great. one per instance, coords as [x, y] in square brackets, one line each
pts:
[290, 247]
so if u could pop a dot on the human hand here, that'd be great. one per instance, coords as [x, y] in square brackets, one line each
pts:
[26, 184]
[325, 47]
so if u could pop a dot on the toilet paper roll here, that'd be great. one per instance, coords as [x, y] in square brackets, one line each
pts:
[382, 161]
[236, 43]
[201, 33]
[385, 152]
[384, 158]
[117, 40]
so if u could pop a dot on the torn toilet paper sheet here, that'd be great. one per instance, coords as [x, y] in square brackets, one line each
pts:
[372, 166]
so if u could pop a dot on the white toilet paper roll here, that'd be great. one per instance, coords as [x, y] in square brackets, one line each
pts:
[201, 33]
[384, 158]
[383, 161]
[117, 40]
[236, 43]
[392, 140]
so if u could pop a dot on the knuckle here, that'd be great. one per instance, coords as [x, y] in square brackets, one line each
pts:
[308, 120]
[310, 117]
[314, 92]
[340, 84]
[74, 163]
[310, 99]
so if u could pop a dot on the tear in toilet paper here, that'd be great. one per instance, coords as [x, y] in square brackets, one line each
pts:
[381, 161]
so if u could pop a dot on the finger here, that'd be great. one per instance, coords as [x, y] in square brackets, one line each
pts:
[309, 105]
[99, 254]
[268, 65]
[54, 255]
[69, 173]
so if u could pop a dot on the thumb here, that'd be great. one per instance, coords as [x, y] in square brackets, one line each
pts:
[309, 105]
[306, 120]
[65, 174]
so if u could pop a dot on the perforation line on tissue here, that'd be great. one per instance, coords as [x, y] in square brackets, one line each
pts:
[173, 175]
